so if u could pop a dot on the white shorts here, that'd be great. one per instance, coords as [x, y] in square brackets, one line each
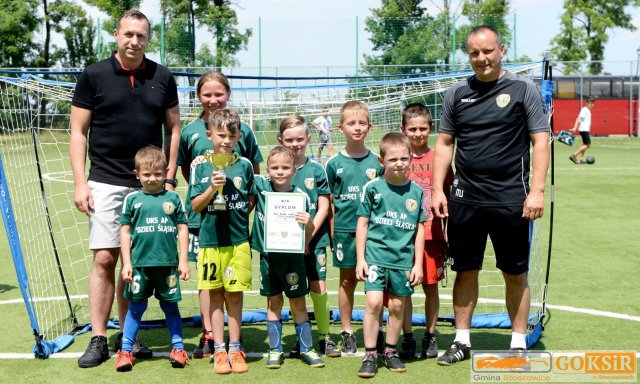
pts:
[104, 222]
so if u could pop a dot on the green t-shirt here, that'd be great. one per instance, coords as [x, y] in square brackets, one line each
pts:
[194, 142]
[261, 186]
[230, 227]
[394, 213]
[312, 179]
[346, 177]
[154, 220]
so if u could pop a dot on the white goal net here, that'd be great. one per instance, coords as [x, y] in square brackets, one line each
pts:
[53, 235]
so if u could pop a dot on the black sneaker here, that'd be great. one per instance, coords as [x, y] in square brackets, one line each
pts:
[97, 352]
[139, 350]
[429, 346]
[455, 353]
[349, 343]
[328, 348]
[369, 367]
[295, 352]
[408, 349]
[202, 350]
[380, 342]
[392, 361]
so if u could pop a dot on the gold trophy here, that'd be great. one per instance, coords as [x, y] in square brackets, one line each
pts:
[220, 162]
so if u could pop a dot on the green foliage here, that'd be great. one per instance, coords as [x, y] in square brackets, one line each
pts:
[395, 23]
[221, 20]
[487, 12]
[114, 8]
[18, 24]
[183, 17]
[584, 29]
[77, 29]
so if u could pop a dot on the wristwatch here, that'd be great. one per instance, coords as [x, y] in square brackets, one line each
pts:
[173, 182]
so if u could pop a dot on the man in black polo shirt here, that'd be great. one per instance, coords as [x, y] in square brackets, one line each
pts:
[122, 102]
[493, 117]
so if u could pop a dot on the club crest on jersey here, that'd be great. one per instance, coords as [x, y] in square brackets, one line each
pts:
[292, 278]
[310, 183]
[411, 205]
[322, 260]
[237, 181]
[228, 272]
[371, 173]
[503, 100]
[172, 281]
[168, 208]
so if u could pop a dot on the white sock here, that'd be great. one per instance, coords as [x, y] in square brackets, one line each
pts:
[463, 336]
[518, 340]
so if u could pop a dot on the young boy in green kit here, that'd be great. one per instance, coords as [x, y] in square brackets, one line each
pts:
[312, 179]
[153, 220]
[283, 272]
[389, 246]
[416, 125]
[347, 172]
[224, 259]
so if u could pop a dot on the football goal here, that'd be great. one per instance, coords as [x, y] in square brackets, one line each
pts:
[48, 237]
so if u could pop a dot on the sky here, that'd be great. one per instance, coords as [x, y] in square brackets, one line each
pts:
[290, 30]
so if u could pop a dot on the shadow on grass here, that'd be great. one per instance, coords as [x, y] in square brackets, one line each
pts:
[6, 288]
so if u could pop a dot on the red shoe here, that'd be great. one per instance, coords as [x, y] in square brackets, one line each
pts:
[178, 358]
[124, 361]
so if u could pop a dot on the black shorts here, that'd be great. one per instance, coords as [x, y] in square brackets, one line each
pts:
[468, 228]
[586, 138]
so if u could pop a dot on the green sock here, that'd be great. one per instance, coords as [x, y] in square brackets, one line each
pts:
[321, 311]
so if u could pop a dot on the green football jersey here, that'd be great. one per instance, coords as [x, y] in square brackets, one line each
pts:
[263, 185]
[346, 177]
[154, 220]
[194, 142]
[394, 213]
[312, 179]
[230, 227]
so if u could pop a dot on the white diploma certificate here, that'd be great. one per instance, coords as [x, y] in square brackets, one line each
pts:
[282, 232]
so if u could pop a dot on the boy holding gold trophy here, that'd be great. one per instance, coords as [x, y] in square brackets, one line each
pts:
[220, 192]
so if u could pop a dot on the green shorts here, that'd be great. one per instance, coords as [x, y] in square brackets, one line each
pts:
[283, 272]
[194, 244]
[225, 267]
[395, 281]
[316, 264]
[161, 282]
[344, 250]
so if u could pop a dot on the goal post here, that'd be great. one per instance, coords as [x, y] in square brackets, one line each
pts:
[49, 242]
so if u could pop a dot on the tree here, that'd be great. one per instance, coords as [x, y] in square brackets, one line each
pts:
[221, 20]
[180, 33]
[71, 21]
[568, 44]
[584, 28]
[18, 22]
[487, 12]
[391, 25]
